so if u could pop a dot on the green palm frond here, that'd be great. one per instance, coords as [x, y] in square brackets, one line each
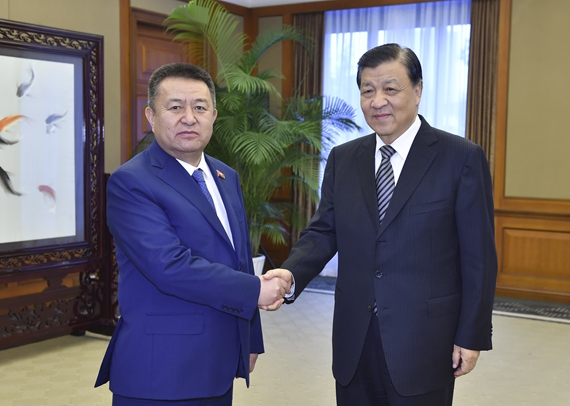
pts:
[240, 81]
[266, 40]
[256, 148]
[206, 22]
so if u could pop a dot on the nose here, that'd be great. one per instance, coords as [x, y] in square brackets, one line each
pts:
[188, 118]
[379, 100]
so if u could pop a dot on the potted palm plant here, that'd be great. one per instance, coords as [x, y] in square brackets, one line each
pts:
[268, 151]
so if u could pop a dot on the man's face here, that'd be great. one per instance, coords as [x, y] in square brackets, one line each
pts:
[388, 99]
[183, 120]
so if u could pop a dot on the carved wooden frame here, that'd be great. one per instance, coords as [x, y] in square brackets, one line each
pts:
[60, 308]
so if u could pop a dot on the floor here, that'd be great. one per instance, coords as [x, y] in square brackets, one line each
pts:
[530, 365]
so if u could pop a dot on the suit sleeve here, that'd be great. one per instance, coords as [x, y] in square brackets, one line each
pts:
[169, 250]
[475, 226]
[317, 243]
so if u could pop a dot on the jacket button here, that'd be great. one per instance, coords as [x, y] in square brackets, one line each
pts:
[369, 308]
[379, 274]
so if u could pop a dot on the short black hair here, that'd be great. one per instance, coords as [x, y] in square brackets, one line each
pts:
[388, 53]
[178, 70]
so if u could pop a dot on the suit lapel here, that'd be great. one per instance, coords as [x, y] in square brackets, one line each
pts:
[229, 198]
[172, 173]
[418, 161]
[365, 168]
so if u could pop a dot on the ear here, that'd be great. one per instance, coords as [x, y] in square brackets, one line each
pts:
[418, 92]
[149, 116]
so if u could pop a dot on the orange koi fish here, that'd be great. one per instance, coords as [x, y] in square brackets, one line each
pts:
[9, 120]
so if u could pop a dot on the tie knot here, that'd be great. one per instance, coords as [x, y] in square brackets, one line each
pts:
[387, 151]
[198, 175]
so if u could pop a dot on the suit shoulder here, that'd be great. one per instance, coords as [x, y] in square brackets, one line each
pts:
[133, 165]
[456, 144]
[356, 143]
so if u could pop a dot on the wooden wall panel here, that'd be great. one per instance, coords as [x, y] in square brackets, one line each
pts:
[536, 253]
[534, 257]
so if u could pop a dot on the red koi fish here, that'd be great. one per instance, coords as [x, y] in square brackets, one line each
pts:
[49, 192]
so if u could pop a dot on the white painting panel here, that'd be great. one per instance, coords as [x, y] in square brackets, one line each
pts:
[37, 150]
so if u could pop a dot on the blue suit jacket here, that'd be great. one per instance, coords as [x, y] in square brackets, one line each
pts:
[431, 266]
[188, 300]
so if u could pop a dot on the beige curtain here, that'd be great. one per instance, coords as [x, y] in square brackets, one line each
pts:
[482, 84]
[307, 82]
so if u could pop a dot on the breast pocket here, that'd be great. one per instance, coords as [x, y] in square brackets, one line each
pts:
[429, 207]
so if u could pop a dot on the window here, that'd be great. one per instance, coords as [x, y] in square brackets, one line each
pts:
[438, 32]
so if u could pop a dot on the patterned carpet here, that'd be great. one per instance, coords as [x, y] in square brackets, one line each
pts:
[504, 306]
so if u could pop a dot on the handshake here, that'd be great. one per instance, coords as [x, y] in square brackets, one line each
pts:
[275, 284]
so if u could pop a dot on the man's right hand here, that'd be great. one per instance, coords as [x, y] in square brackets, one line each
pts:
[283, 275]
[272, 292]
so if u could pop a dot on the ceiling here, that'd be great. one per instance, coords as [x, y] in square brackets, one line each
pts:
[266, 3]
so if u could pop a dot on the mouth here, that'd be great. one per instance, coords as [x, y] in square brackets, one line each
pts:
[188, 134]
[381, 116]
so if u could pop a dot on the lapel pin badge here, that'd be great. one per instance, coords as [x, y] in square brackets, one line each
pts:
[220, 174]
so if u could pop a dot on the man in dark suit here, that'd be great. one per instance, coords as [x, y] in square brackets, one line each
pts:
[409, 210]
[188, 295]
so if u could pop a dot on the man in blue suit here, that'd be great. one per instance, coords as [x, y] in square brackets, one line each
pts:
[409, 210]
[187, 292]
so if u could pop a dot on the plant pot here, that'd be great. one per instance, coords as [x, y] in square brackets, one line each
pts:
[258, 262]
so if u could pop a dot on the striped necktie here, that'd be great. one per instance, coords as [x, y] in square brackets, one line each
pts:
[385, 181]
[384, 187]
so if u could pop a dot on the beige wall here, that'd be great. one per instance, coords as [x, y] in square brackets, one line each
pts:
[538, 142]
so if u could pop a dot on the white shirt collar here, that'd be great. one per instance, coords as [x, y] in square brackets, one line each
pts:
[403, 143]
[202, 165]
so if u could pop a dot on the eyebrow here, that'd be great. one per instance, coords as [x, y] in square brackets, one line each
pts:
[198, 100]
[383, 82]
[390, 81]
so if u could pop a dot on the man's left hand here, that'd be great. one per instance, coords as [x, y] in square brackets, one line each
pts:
[464, 360]
[252, 361]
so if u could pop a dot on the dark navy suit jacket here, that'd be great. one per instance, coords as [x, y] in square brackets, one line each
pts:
[188, 299]
[431, 266]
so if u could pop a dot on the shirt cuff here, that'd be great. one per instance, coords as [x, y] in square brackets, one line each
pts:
[291, 295]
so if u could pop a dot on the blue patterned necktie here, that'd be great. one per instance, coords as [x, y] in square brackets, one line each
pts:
[385, 181]
[198, 176]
